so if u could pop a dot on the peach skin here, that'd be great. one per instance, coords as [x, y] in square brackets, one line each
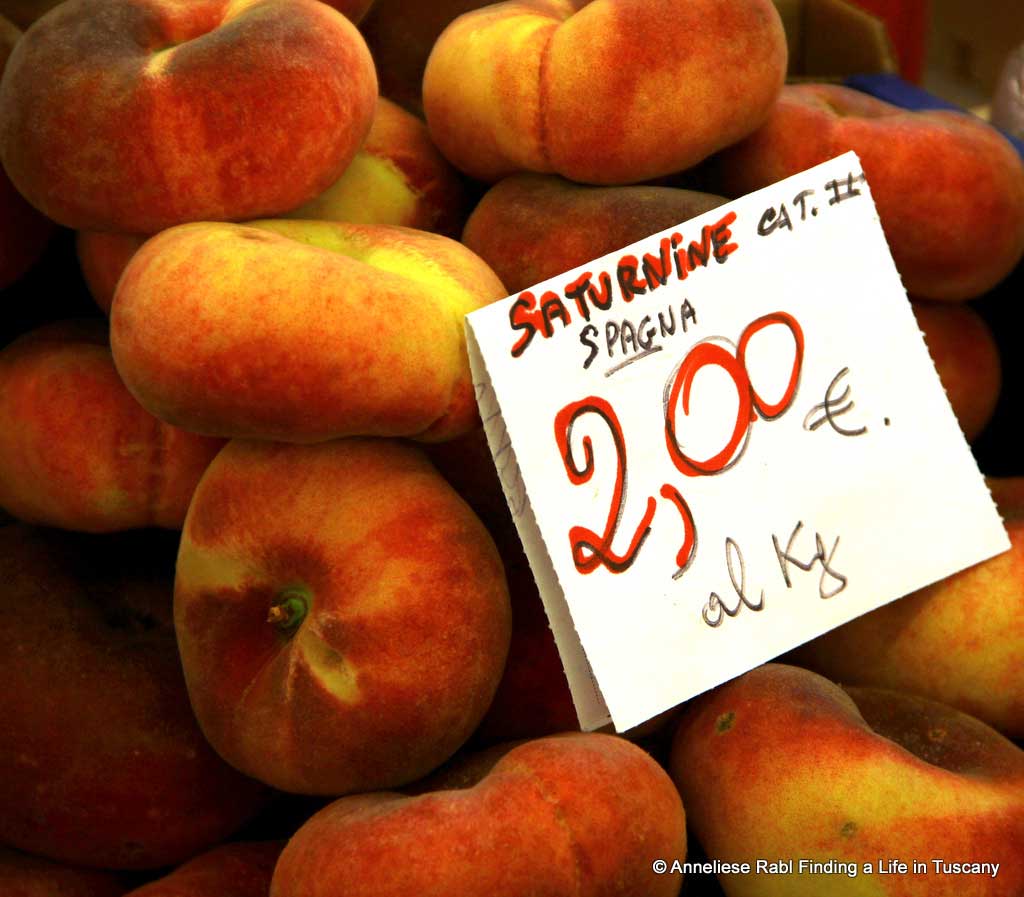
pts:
[397, 177]
[781, 765]
[959, 641]
[949, 188]
[606, 92]
[23, 231]
[533, 697]
[966, 358]
[1008, 494]
[301, 331]
[578, 814]
[22, 875]
[102, 763]
[135, 115]
[351, 639]
[76, 450]
[103, 258]
[467, 464]
[231, 870]
[531, 227]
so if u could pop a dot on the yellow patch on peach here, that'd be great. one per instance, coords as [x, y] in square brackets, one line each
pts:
[382, 198]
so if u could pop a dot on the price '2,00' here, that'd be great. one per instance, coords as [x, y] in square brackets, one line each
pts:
[591, 550]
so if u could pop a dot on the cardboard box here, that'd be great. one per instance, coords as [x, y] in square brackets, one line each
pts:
[830, 40]
[967, 46]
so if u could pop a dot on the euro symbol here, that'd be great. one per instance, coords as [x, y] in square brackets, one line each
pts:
[833, 407]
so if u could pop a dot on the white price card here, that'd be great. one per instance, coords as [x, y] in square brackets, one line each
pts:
[723, 441]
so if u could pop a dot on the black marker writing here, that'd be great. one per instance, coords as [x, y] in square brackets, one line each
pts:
[843, 189]
[832, 408]
[828, 572]
[716, 609]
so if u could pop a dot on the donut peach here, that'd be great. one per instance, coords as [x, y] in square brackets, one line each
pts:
[585, 815]
[397, 177]
[949, 188]
[135, 115]
[301, 331]
[101, 761]
[606, 92]
[783, 765]
[342, 615]
[959, 641]
[530, 227]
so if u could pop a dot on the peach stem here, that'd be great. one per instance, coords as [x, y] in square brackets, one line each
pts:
[290, 609]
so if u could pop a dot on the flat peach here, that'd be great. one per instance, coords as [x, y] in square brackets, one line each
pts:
[102, 763]
[607, 92]
[533, 697]
[949, 188]
[579, 814]
[397, 177]
[782, 765]
[103, 258]
[531, 227]
[342, 615]
[135, 115]
[301, 331]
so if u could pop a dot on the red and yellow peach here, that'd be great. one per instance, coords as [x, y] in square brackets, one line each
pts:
[351, 638]
[76, 450]
[301, 331]
[949, 188]
[606, 92]
[130, 116]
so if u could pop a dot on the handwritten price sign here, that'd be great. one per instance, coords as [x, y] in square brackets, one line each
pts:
[723, 441]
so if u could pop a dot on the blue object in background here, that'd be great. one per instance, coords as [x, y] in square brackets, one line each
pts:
[893, 89]
[996, 449]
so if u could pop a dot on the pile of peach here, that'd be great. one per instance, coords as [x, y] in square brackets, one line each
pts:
[265, 628]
